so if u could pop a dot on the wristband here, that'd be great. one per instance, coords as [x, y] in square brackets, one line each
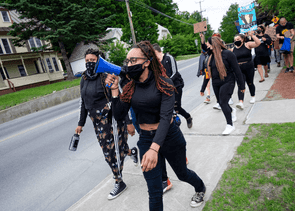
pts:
[154, 150]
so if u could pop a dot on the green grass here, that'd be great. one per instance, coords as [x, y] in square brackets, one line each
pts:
[262, 174]
[18, 97]
[185, 57]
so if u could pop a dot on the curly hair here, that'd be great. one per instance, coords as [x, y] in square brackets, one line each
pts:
[217, 45]
[95, 52]
[157, 68]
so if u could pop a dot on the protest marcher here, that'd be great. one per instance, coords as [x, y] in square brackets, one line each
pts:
[96, 102]
[242, 50]
[261, 52]
[203, 71]
[170, 65]
[281, 30]
[223, 67]
[151, 95]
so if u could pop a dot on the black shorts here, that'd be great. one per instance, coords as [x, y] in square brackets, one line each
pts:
[261, 60]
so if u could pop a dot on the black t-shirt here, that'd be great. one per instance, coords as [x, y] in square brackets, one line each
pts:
[262, 49]
[283, 29]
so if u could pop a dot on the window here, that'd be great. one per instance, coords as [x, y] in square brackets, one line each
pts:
[5, 16]
[1, 51]
[35, 42]
[36, 66]
[42, 65]
[6, 46]
[49, 65]
[2, 73]
[21, 70]
[55, 64]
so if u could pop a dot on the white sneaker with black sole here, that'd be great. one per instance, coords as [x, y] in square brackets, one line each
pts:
[134, 155]
[118, 190]
[217, 106]
[240, 106]
[228, 129]
[252, 100]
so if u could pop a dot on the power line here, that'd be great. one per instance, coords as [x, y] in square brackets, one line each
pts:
[141, 4]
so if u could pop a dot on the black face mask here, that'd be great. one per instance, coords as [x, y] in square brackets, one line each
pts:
[259, 31]
[135, 71]
[238, 43]
[90, 70]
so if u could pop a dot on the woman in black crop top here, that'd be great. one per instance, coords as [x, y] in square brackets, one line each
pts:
[95, 101]
[223, 68]
[151, 95]
[242, 50]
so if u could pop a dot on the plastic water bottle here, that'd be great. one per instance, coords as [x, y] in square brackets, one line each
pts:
[74, 142]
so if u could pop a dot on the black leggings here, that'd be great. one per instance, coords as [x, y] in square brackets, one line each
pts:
[248, 72]
[223, 92]
[177, 105]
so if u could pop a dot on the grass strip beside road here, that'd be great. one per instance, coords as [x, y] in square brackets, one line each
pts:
[25, 95]
[261, 176]
[185, 57]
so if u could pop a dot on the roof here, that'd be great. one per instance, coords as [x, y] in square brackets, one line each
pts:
[79, 51]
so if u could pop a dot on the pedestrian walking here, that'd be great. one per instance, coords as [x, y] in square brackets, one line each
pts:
[261, 53]
[283, 29]
[203, 71]
[151, 95]
[242, 50]
[222, 68]
[170, 65]
[111, 134]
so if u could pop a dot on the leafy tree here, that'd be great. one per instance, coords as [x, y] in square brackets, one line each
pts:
[59, 21]
[144, 24]
[228, 29]
[117, 53]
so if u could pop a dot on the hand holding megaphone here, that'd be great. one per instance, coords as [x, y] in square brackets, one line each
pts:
[112, 81]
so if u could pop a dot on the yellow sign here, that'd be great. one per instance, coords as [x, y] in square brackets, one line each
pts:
[275, 19]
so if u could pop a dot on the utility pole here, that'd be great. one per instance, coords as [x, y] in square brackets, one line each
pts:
[201, 9]
[130, 21]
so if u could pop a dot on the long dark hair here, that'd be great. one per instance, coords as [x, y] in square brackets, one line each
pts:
[157, 68]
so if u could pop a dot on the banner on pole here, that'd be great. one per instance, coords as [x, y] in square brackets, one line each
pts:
[247, 18]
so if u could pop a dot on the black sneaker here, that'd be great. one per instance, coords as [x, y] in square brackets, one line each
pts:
[198, 198]
[287, 70]
[189, 122]
[291, 69]
[134, 156]
[118, 189]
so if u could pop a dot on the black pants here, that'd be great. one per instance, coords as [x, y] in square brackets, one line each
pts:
[177, 105]
[223, 92]
[248, 72]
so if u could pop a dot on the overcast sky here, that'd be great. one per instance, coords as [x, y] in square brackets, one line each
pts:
[215, 9]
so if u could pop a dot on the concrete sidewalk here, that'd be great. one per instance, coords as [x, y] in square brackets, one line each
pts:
[207, 151]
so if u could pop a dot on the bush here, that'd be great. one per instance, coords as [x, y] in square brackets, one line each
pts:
[180, 45]
[117, 53]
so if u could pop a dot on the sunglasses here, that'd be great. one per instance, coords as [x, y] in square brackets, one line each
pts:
[132, 60]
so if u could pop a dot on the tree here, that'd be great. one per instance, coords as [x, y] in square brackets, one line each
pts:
[144, 24]
[228, 29]
[59, 21]
[117, 53]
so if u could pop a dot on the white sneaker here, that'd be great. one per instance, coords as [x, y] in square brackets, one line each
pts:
[252, 100]
[217, 106]
[230, 102]
[240, 105]
[234, 115]
[228, 129]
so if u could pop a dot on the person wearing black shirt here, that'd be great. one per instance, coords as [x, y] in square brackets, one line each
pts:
[223, 67]
[112, 136]
[242, 50]
[283, 29]
[151, 95]
[170, 65]
[261, 52]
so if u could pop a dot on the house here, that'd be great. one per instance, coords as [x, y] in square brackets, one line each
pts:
[77, 59]
[20, 67]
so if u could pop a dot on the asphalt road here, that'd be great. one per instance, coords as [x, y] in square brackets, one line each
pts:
[38, 172]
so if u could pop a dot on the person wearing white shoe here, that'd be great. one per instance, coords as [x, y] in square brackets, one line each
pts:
[252, 100]
[217, 106]
[230, 102]
[228, 129]
[242, 50]
[222, 68]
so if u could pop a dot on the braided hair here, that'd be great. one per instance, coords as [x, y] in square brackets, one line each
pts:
[217, 45]
[157, 68]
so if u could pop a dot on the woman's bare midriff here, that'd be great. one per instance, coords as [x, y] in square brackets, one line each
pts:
[150, 127]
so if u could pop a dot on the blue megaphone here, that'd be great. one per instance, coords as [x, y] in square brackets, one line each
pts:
[102, 66]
